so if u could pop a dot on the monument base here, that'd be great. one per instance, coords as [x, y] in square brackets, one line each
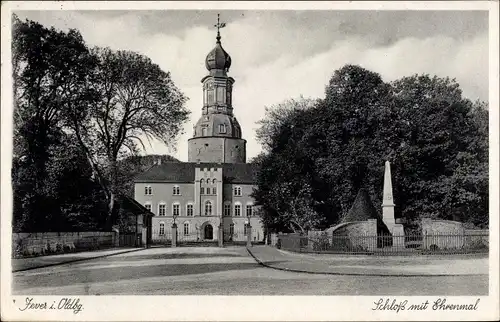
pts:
[398, 236]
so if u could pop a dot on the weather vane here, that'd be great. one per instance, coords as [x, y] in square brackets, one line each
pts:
[219, 25]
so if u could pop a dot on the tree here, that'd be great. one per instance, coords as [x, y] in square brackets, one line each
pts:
[49, 67]
[276, 116]
[435, 139]
[133, 100]
[438, 139]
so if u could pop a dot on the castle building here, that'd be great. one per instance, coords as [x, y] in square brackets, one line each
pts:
[211, 192]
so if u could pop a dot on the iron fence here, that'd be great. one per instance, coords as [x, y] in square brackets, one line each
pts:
[386, 244]
[231, 237]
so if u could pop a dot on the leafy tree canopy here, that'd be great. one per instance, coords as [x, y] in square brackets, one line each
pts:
[435, 139]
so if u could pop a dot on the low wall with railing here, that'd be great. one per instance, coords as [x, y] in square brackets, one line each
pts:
[35, 244]
[468, 242]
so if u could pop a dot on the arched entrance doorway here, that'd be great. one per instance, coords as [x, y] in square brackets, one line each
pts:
[208, 232]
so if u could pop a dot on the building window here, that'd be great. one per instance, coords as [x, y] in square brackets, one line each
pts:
[148, 190]
[227, 210]
[176, 209]
[222, 128]
[162, 229]
[237, 210]
[186, 228]
[231, 229]
[208, 191]
[249, 210]
[202, 181]
[237, 191]
[214, 181]
[189, 210]
[214, 190]
[208, 208]
[161, 209]
[148, 206]
[202, 190]
[176, 190]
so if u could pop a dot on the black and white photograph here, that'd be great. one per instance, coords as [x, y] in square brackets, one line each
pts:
[251, 153]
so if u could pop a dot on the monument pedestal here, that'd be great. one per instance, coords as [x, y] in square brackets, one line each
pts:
[398, 236]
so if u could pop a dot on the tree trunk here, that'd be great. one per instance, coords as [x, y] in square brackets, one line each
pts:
[111, 209]
[112, 206]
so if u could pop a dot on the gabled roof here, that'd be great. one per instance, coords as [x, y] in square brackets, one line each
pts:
[184, 172]
[131, 205]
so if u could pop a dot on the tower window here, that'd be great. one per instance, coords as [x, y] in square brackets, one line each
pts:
[203, 131]
[227, 210]
[222, 128]
[202, 190]
[211, 98]
[220, 95]
[208, 208]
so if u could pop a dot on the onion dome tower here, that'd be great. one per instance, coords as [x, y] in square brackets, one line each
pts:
[217, 134]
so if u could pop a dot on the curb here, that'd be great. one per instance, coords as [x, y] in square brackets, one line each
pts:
[76, 260]
[352, 274]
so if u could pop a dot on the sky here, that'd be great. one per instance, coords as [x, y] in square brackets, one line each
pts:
[278, 55]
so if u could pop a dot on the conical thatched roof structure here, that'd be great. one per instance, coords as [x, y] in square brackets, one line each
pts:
[362, 209]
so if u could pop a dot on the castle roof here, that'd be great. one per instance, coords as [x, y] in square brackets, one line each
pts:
[184, 172]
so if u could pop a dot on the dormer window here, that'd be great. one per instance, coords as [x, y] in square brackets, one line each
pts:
[222, 128]
[237, 191]
[176, 190]
[148, 190]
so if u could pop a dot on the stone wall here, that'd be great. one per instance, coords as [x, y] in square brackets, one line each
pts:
[354, 235]
[441, 227]
[33, 244]
[442, 234]
[476, 238]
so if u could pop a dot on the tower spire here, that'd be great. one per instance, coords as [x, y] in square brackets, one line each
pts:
[219, 25]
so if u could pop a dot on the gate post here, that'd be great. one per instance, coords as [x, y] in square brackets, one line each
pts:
[174, 235]
[249, 235]
[221, 235]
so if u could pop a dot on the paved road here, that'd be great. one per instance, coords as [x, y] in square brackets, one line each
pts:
[215, 271]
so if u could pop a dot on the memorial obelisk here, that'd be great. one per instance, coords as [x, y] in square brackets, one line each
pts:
[397, 230]
[388, 202]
